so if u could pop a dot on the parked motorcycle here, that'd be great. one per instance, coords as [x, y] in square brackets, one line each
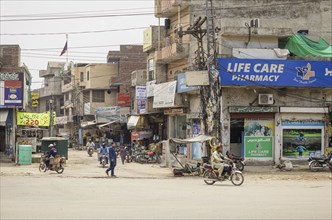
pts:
[211, 175]
[318, 163]
[104, 160]
[238, 160]
[55, 164]
[90, 151]
[148, 157]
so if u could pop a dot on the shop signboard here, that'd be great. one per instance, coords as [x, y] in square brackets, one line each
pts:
[150, 88]
[11, 90]
[123, 99]
[263, 72]
[182, 87]
[300, 139]
[140, 92]
[164, 95]
[258, 147]
[34, 119]
[258, 138]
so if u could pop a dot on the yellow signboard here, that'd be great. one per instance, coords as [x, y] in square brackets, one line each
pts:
[34, 99]
[34, 119]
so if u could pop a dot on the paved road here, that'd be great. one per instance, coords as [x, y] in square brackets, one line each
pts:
[84, 191]
[56, 197]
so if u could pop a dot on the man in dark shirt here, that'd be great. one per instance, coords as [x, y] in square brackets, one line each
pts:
[112, 158]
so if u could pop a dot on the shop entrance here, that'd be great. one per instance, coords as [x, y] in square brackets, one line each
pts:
[2, 138]
[237, 129]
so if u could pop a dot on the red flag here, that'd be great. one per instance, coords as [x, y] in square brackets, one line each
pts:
[64, 50]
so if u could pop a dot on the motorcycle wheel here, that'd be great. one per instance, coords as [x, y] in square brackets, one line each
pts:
[103, 163]
[140, 159]
[314, 166]
[239, 166]
[90, 152]
[42, 167]
[60, 170]
[237, 179]
[210, 175]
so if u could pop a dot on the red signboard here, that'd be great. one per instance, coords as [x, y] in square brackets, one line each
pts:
[123, 99]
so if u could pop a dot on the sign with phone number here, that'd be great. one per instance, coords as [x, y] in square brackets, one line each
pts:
[34, 119]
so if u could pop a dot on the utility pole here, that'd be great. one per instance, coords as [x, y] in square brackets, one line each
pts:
[51, 117]
[212, 93]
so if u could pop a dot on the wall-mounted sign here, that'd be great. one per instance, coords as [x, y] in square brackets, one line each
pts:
[123, 99]
[173, 111]
[250, 109]
[182, 87]
[34, 99]
[34, 119]
[11, 90]
[260, 72]
[140, 92]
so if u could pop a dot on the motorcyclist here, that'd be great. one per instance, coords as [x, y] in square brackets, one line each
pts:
[90, 144]
[103, 151]
[218, 160]
[50, 154]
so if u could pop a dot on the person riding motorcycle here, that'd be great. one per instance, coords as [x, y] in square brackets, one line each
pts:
[90, 144]
[218, 160]
[51, 154]
[103, 151]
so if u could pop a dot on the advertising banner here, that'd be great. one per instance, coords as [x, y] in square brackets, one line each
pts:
[123, 99]
[140, 92]
[164, 95]
[300, 139]
[262, 72]
[34, 119]
[182, 87]
[11, 90]
[258, 138]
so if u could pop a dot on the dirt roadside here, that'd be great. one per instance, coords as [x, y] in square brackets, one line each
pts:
[80, 165]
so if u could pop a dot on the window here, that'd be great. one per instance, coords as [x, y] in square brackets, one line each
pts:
[88, 75]
[66, 96]
[151, 70]
[98, 96]
[81, 76]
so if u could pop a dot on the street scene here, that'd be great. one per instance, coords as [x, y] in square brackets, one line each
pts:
[166, 109]
[150, 191]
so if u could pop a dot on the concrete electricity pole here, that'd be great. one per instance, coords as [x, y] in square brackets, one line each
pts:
[51, 117]
[212, 93]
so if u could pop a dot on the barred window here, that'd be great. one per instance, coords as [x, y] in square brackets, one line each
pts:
[98, 96]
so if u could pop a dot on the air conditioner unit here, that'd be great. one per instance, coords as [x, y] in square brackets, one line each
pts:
[265, 99]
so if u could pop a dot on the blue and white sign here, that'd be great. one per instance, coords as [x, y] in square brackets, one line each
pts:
[182, 87]
[258, 72]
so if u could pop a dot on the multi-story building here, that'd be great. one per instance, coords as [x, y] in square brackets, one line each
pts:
[256, 34]
[50, 95]
[15, 81]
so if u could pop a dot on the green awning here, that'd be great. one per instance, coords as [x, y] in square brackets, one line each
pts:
[301, 46]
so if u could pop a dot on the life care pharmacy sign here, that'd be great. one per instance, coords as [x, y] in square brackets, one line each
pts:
[258, 72]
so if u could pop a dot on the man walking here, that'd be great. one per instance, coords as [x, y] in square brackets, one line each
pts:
[112, 158]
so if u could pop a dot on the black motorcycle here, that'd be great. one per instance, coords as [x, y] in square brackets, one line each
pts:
[237, 160]
[318, 163]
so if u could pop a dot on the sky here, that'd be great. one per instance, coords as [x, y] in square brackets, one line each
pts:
[39, 27]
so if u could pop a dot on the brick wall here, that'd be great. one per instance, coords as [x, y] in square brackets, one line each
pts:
[10, 58]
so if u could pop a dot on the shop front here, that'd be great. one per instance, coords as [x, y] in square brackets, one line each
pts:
[303, 131]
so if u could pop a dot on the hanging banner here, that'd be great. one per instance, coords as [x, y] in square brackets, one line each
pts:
[164, 95]
[262, 72]
[34, 99]
[34, 119]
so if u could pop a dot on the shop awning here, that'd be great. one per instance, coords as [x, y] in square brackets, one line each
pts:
[200, 138]
[3, 117]
[132, 122]
[108, 123]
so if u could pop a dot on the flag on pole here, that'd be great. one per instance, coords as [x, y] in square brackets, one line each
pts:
[64, 50]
